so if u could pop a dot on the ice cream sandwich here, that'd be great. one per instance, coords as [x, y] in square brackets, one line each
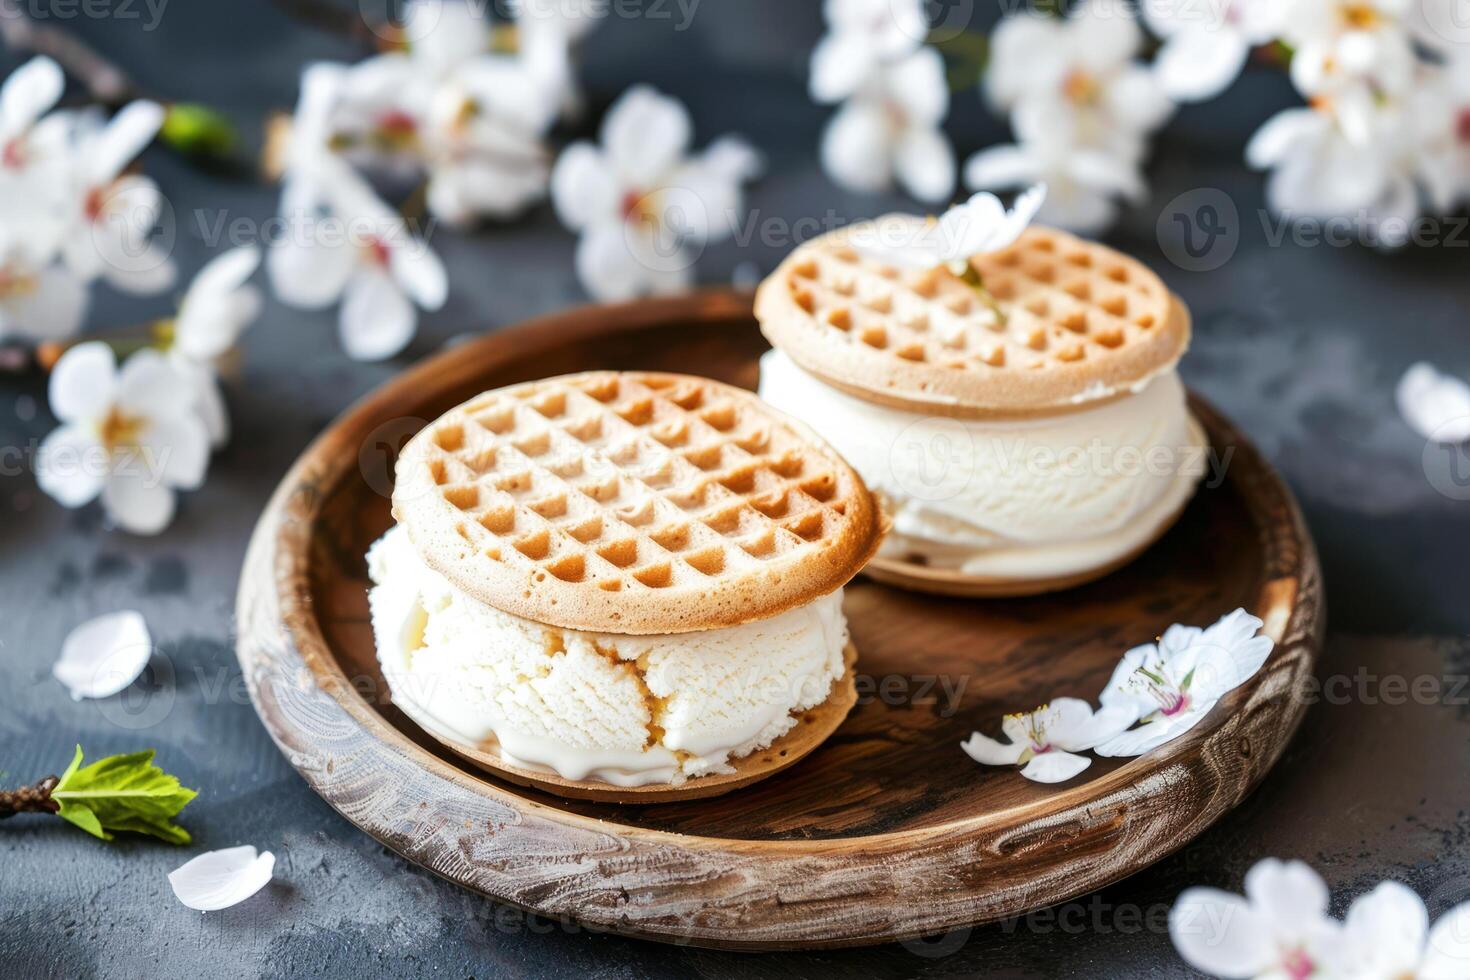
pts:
[1019, 415]
[621, 585]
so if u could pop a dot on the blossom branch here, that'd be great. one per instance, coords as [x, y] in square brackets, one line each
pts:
[106, 82]
[35, 798]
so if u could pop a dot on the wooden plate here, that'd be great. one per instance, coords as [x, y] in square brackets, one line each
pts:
[888, 830]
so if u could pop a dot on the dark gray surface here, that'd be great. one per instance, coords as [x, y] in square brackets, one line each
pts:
[1301, 345]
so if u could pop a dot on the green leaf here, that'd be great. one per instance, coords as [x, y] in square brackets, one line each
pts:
[122, 792]
[198, 130]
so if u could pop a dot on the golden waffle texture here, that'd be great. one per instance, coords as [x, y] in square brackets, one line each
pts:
[1068, 323]
[633, 503]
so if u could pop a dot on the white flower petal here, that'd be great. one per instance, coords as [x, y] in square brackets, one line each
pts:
[855, 148]
[136, 501]
[1055, 766]
[1136, 101]
[841, 63]
[1279, 135]
[619, 262]
[52, 310]
[219, 879]
[918, 87]
[309, 271]
[989, 752]
[1105, 34]
[1384, 932]
[71, 465]
[377, 320]
[176, 450]
[420, 273]
[226, 272]
[1435, 405]
[208, 324]
[83, 383]
[583, 190]
[1155, 731]
[1200, 63]
[149, 387]
[209, 401]
[104, 655]
[644, 135]
[1000, 168]
[924, 163]
[1291, 896]
[126, 135]
[28, 93]
[1448, 954]
[1221, 934]
[1014, 69]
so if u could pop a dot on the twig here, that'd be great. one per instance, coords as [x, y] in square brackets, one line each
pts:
[35, 798]
[106, 82]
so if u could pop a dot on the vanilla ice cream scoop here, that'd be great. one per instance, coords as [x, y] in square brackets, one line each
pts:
[1037, 498]
[626, 710]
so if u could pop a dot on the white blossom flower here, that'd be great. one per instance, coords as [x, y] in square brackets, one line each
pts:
[1080, 75]
[548, 32]
[1350, 50]
[1044, 742]
[891, 130]
[640, 204]
[309, 156]
[862, 37]
[1378, 160]
[482, 142]
[40, 298]
[976, 227]
[1206, 44]
[27, 95]
[362, 254]
[1083, 183]
[130, 436]
[1435, 405]
[441, 35]
[215, 310]
[1171, 685]
[219, 879]
[113, 214]
[1387, 936]
[104, 655]
[1280, 930]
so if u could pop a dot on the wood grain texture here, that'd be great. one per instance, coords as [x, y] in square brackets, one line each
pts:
[888, 830]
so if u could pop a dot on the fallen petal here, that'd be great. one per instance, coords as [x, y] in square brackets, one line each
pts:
[1435, 405]
[218, 879]
[104, 655]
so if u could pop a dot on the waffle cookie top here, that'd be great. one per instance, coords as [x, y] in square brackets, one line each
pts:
[1071, 322]
[633, 503]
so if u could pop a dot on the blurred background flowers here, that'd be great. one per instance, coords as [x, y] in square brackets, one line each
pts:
[445, 119]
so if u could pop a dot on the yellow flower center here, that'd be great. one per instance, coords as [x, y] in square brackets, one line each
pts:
[1081, 88]
[15, 285]
[1361, 16]
[120, 430]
